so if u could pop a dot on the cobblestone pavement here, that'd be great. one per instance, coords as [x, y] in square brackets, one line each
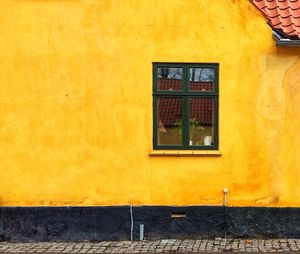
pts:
[169, 245]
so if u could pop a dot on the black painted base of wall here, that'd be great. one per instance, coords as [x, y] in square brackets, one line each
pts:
[114, 223]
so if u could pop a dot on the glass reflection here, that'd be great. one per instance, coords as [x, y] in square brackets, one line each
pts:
[169, 117]
[201, 122]
[169, 79]
[201, 79]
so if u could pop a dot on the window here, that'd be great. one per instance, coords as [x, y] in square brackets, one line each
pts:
[185, 106]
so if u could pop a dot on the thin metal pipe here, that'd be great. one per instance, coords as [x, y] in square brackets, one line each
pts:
[131, 228]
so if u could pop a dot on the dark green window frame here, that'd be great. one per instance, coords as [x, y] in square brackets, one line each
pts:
[186, 94]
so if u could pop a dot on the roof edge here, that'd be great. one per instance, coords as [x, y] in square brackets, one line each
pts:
[288, 43]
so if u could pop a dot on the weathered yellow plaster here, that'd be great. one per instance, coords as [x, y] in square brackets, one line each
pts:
[76, 104]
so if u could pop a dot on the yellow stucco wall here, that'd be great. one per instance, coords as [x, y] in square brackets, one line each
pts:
[76, 104]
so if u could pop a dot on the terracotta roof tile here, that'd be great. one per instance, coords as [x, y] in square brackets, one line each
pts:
[283, 15]
[272, 13]
[170, 109]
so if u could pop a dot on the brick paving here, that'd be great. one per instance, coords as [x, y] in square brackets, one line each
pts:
[158, 246]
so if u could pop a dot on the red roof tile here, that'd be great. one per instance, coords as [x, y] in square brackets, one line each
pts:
[170, 109]
[176, 84]
[283, 15]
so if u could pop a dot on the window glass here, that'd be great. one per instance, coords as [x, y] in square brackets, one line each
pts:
[201, 79]
[169, 79]
[169, 121]
[201, 122]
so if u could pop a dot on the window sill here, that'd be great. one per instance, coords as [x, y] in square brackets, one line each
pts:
[180, 153]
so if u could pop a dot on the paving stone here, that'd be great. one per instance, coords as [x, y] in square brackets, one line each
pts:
[157, 246]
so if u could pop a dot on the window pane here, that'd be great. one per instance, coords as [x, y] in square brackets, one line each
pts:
[201, 79]
[169, 79]
[201, 122]
[169, 121]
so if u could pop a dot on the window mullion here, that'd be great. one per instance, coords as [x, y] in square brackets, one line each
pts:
[185, 109]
